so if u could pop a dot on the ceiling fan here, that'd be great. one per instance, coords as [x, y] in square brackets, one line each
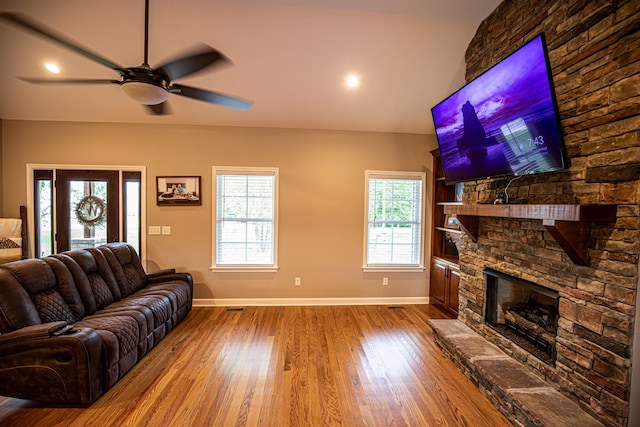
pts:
[148, 86]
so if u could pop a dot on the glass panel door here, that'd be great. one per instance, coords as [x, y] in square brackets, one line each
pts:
[87, 208]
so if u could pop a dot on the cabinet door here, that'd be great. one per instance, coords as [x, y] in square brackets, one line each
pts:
[437, 290]
[454, 282]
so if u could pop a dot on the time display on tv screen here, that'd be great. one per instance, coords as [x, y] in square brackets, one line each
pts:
[504, 122]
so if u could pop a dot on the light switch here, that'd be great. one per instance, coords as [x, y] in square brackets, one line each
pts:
[154, 229]
[166, 230]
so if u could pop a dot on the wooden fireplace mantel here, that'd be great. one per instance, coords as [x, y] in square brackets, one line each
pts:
[568, 224]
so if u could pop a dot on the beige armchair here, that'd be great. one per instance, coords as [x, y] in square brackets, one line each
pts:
[13, 245]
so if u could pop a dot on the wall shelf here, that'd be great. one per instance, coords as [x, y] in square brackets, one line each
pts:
[568, 224]
[448, 230]
[444, 274]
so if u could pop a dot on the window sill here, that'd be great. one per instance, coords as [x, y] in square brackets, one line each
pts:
[400, 269]
[243, 269]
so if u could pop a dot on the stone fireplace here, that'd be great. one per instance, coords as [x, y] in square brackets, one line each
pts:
[593, 51]
[589, 357]
[522, 312]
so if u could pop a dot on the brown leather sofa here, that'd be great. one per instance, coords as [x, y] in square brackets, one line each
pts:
[72, 324]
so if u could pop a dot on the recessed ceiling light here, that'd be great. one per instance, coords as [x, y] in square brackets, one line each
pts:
[53, 68]
[352, 81]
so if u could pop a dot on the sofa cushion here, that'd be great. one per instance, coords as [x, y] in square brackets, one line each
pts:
[39, 281]
[52, 308]
[130, 275]
[119, 335]
[66, 286]
[178, 292]
[159, 305]
[93, 277]
[177, 288]
[126, 266]
[81, 281]
[16, 307]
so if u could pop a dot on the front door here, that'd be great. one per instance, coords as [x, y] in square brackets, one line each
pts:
[86, 208]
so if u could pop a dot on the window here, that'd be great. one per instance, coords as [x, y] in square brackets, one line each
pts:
[132, 208]
[43, 202]
[394, 220]
[245, 218]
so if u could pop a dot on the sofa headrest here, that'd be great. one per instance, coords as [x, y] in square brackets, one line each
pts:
[85, 260]
[96, 273]
[125, 265]
[33, 274]
[66, 286]
[122, 251]
[39, 282]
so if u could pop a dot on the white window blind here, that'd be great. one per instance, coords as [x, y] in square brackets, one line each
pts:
[395, 218]
[245, 218]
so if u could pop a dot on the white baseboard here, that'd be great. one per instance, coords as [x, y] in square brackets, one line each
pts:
[235, 302]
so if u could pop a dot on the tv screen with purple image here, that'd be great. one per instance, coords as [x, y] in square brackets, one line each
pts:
[504, 122]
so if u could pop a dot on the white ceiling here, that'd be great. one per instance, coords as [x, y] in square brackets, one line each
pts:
[290, 57]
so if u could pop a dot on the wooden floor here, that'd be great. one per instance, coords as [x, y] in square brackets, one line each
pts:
[285, 366]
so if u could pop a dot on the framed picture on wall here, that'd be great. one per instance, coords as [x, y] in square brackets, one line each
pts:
[178, 191]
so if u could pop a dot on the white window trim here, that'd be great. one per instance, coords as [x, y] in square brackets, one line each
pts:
[398, 268]
[236, 268]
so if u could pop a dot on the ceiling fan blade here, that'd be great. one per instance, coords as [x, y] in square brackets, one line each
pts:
[158, 109]
[191, 62]
[36, 80]
[212, 97]
[31, 25]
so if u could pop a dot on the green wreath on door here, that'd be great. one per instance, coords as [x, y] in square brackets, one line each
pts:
[91, 211]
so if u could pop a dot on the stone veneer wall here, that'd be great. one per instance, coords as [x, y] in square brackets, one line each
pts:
[594, 50]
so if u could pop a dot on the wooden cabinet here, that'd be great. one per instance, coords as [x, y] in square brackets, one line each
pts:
[445, 280]
[445, 274]
[437, 290]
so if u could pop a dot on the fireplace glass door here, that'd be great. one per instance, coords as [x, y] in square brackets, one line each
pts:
[524, 312]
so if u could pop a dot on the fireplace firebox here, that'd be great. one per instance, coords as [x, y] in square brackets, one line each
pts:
[523, 312]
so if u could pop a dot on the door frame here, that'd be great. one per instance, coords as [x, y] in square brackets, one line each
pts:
[31, 167]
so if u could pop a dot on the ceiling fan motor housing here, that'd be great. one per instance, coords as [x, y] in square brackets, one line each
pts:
[145, 86]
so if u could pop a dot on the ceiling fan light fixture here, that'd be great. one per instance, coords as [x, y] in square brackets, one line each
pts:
[145, 93]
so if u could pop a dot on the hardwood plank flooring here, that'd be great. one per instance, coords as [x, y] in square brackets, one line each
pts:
[285, 366]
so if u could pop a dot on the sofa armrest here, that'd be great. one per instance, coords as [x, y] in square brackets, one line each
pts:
[185, 277]
[161, 272]
[30, 332]
[38, 364]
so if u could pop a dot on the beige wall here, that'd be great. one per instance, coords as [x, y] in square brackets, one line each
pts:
[321, 196]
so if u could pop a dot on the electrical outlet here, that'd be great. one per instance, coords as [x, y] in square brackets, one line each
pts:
[297, 282]
[154, 229]
[385, 281]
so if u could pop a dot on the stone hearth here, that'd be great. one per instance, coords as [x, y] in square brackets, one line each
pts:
[524, 398]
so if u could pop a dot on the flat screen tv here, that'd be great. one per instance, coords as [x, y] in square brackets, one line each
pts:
[504, 122]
